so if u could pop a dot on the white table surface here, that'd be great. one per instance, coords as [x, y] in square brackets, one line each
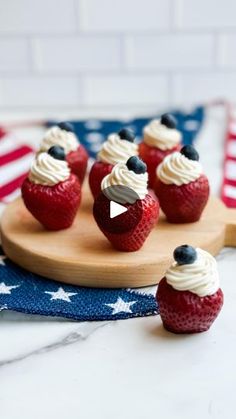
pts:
[132, 369]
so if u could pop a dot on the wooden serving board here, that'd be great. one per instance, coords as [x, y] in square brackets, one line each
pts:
[81, 255]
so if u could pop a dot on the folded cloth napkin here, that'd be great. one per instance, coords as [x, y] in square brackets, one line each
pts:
[25, 292]
[29, 293]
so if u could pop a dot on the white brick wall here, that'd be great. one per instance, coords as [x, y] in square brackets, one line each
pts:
[68, 54]
[124, 15]
[131, 89]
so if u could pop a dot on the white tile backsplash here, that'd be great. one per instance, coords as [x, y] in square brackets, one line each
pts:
[127, 89]
[124, 15]
[14, 55]
[75, 53]
[227, 46]
[173, 51]
[198, 87]
[46, 91]
[37, 16]
[207, 14]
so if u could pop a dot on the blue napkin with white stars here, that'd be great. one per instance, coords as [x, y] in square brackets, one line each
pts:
[25, 292]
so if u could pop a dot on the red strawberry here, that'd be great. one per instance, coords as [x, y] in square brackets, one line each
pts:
[185, 203]
[53, 206]
[153, 156]
[77, 161]
[128, 231]
[98, 171]
[186, 312]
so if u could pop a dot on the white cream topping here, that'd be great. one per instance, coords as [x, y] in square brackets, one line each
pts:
[61, 137]
[45, 170]
[158, 135]
[115, 150]
[122, 176]
[200, 277]
[176, 169]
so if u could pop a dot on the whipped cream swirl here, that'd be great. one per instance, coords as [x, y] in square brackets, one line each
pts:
[115, 150]
[160, 136]
[176, 169]
[136, 185]
[61, 137]
[45, 170]
[200, 277]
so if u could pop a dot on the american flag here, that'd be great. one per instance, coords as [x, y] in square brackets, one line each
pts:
[14, 164]
[229, 172]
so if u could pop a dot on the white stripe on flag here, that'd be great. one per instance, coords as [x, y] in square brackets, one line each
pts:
[8, 144]
[232, 127]
[231, 148]
[230, 191]
[15, 169]
[12, 196]
[230, 170]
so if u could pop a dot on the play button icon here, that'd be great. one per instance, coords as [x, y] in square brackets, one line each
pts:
[116, 209]
[119, 207]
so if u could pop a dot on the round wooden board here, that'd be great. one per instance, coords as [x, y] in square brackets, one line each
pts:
[81, 255]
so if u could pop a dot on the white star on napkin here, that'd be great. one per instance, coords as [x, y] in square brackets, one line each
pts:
[121, 306]
[6, 289]
[60, 294]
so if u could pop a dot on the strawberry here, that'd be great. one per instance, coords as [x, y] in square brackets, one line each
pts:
[185, 203]
[55, 207]
[98, 171]
[129, 230]
[77, 161]
[186, 312]
[153, 156]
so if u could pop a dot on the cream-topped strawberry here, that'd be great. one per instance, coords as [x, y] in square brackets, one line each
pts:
[117, 149]
[189, 296]
[50, 192]
[160, 138]
[126, 185]
[181, 186]
[63, 135]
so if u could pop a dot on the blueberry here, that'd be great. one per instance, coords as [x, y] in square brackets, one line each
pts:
[57, 152]
[136, 165]
[185, 255]
[126, 134]
[190, 152]
[168, 120]
[66, 126]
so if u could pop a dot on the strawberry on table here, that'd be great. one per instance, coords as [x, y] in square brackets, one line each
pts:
[127, 185]
[189, 296]
[50, 192]
[63, 135]
[117, 149]
[160, 139]
[181, 186]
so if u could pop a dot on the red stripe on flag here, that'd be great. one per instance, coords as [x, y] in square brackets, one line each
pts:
[229, 202]
[15, 154]
[228, 194]
[10, 187]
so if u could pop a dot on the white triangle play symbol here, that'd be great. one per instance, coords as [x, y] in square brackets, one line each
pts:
[116, 209]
